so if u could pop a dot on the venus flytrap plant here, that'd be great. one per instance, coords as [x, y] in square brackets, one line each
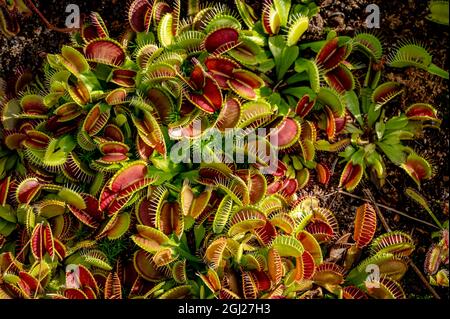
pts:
[9, 11]
[373, 135]
[285, 24]
[418, 198]
[86, 110]
[289, 89]
[254, 238]
[100, 192]
[436, 261]
[438, 11]
[389, 255]
[11, 159]
[412, 54]
[7, 221]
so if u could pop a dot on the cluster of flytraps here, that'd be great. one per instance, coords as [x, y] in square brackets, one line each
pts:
[84, 163]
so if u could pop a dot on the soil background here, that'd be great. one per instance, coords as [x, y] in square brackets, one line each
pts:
[401, 20]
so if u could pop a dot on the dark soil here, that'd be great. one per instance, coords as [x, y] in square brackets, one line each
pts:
[400, 20]
[27, 49]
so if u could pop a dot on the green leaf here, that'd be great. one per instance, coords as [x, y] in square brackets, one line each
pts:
[380, 127]
[191, 175]
[309, 164]
[54, 155]
[300, 91]
[297, 77]
[434, 69]
[325, 146]
[91, 82]
[6, 228]
[275, 99]
[199, 233]
[3, 166]
[161, 176]
[246, 12]
[301, 65]
[350, 128]
[332, 34]
[103, 71]
[189, 221]
[67, 143]
[183, 241]
[265, 91]
[291, 100]
[7, 213]
[397, 122]
[166, 165]
[104, 107]
[121, 120]
[322, 145]
[373, 115]
[21, 170]
[358, 157]
[366, 99]
[372, 156]
[283, 55]
[316, 46]
[353, 106]
[392, 139]
[276, 46]
[266, 65]
[439, 11]
[288, 57]
[413, 194]
[348, 152]
[283, 7]
[313, 9]
[313, 46]
[393, 152]
[283, 108]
